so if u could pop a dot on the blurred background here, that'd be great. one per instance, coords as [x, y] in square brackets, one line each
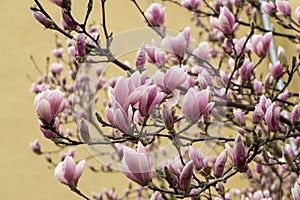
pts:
[23, 174]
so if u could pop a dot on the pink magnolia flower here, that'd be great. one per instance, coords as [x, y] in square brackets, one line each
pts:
[49, 133]
[272, 117]
[167, 117]
[67, 22]
[140, 58]
[225, 23]
[220, 164]
[35, 146]
[202, 51]
[80, 45]
[239, 116]
[67, 172]
[246, 69]
[156, 196]
[136, 165]
[257, 87]
[58, 52]
[197, 157]
[41, 18]
[48, 104]
[84, 131]
[260, 44]
[277, 70]
[174, 77]
[58, 2]
[125, 91]
[155, 14]
[295, 113]
[297, 13]
[283, 8]
[296, 191]
[119, 117]
[239, 46]
[191, 3]
[186, 176]
[268, 7]
[149, 99]
[196, 104]
[56, 68]
[239, 153]
[175, 45]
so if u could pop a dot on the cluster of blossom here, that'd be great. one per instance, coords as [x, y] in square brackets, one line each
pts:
[178, 103]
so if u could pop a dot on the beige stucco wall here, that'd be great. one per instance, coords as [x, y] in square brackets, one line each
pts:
[22, 174]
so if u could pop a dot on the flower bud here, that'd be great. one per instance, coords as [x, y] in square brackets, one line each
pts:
[40, 17]
[186, 176]
[84, 131]
[156, 196]
[295, 113]
[283, 8]
[257, 87]
[239, 116]
[155, 14]
[297, 14]
[140, 58]
[268, 7]
[277, 70]
[35, 146]
[220, 164]
[167, 117]
[239, 153]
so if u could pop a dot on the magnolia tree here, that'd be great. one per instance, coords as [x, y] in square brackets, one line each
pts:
[186, 115]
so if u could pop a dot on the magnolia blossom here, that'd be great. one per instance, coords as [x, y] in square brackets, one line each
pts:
[174, 77]
[119, 117]
[277, 70]
[67, 22]
[246, 69]
[175, 45]
[296, 191]
[149, 99]
[35, 146]
[295, 113]
[58, 2]
[260, 44]
[195, 104]
[80, 45]
[283, 7]
[155, 14]
[272, 117]
[297, 14]
[268, 7]
[239, 153]
[49, 133]
[191, 3]
[48, 104]
[202, 51]
[140, 58]
[56, 68]
[167, 117]
[257, 86]
[186, 175]
[156, 196]
[197, 157]
[136, 165]
[220, 164]
[41, 18]
[225, 23]
[67, 172]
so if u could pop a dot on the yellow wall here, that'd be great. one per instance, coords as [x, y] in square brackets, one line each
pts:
[24, 175]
